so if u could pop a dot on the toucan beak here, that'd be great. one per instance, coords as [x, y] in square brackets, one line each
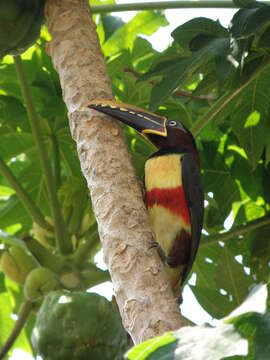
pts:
[141, 120]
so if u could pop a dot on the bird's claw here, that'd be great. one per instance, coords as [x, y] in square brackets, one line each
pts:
[156, 245]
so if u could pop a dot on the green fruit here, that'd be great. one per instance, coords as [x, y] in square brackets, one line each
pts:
[17, 263]
[44, 236]
[70, 280]
[25, 260]
[20, 23]
[11, 269]
[9, 10]
[78, 326]
[40, 282]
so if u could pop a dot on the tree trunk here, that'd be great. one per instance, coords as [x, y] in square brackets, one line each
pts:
[145, 300]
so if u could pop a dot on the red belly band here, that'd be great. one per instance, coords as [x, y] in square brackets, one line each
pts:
[172, 199]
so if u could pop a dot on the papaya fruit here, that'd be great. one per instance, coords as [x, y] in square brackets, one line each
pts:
[40, 282]
[20, 23]
[78, 326]
[44, 236]
[17, 263]
[11, 269]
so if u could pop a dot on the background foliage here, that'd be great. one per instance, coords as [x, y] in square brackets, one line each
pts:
[216, 81]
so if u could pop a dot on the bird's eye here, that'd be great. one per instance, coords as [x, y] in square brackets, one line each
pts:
[172, 123]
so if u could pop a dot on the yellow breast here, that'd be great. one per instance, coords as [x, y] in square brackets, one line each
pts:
[163, 172]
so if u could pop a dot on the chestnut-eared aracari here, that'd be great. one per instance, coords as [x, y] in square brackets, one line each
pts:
[174, 194]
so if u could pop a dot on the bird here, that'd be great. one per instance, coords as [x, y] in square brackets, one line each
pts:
[173, 187]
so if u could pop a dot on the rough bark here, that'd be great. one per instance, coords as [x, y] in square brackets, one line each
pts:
[145, 300]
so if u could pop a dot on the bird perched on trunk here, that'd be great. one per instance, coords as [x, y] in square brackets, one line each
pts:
[174, 194]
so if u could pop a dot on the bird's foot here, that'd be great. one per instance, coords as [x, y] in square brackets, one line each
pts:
[155, 245]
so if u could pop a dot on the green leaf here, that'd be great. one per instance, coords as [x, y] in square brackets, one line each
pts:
[259, 243]
[247, 22]
[216, 304]
[231, 277]
[206, 290]
[246, 324]
[244, 3]
[143, 54]
[12, 212]
[251, 184]
[196, 343]
[217, 178]
[13, 113]
[145, 22]
[221, 283]
[253, 99]
[212, 343]
[119, 63]
[247, 320]
[213, 219]
[264, 41]
[203, 29]
[6, 325]
[5, 191]
[110, 25]
[256, 328]
[176, 73]
[14, 144]
[151, 349]
[204, 266]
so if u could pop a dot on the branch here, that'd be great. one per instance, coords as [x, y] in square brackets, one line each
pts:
[237, 231]
[225, 100]
[23, 196]
[165, 5]
[23, 315]
[62, 239]
[145, 299]
[189, 94]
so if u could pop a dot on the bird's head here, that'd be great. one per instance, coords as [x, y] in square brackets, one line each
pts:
[162, 132]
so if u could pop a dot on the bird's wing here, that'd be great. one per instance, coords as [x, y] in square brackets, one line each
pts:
[193, 189]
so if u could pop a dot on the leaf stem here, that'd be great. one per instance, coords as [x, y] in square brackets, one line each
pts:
[89, 243]
[224, 100]
[164, 5]
[57, 169]
[6, 238]
[23, 196]
[23, 315]
[62, 239]
[236, 231]
[92, 276]
[43, 256]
